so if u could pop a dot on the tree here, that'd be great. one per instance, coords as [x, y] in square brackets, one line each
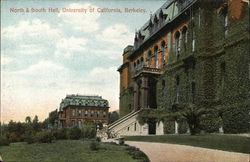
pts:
[191, 113]
[28, 119]
[35, 124]
[53, 117]
[113, 116]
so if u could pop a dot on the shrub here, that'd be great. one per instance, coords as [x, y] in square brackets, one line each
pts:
[94, 146]
[98, 139]
[29, 138]
[236, 120]
[137, 154]
[74, 133]
[44, 137]
[121, 141]
[89, 131]
[60, 134]
[4, 141]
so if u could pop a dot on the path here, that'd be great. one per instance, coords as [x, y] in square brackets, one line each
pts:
[162, 152]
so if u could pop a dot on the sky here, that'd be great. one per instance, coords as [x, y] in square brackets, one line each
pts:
[47, 55]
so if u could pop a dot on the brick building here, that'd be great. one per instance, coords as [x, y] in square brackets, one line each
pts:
[76, 110]
[189, 51]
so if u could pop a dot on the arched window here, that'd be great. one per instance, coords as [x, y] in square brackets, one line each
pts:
[163, 49]
[86, 113]
[142, 61]
[104, 114]
[177, 43]
[98, 114]
[149, 58]
[156, 56]
[184, 34]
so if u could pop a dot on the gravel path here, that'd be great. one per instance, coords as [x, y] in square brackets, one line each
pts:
[162, 152]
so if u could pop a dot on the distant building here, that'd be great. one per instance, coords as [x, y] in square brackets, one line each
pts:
[76, 110]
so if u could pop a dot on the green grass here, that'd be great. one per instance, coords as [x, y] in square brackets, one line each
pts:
[221, 142]
[64, 150]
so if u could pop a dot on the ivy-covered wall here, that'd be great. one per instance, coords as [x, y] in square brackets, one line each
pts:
[216, 74]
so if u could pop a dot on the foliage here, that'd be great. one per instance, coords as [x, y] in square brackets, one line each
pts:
[137, 154]
[53, 117]
[74, 133]
[60, 133]
[112, 117]
[98, 139]
[15, 131]
[89, 130]
[4, 141]
[94, 146]
[44, 137]
[236, 120]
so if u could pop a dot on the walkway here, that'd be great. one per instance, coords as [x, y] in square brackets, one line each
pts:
[162, 152]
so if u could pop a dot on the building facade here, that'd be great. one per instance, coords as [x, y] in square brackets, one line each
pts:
[191, 51]
[75, 110]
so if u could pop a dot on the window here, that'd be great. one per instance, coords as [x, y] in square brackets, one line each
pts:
[104, 114]
[177, 44]
[142, 61]
[149, 58]
[73, 112]
[79, 124]
[177, 89]
[128, 128]
[79, 112]
[226, 24]
[92, 113]
[72, 123]
[163, 84]
[98, 114]
[86, 113]
[135, 127]
[163, 49]
[199, 18]
[156, 56]
[184, 34]
[193, 92]
[223, 74]
[193, 42]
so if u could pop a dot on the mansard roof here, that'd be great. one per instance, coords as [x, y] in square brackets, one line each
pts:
[84, 101]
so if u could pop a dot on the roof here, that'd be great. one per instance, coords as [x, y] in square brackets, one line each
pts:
[84, 100]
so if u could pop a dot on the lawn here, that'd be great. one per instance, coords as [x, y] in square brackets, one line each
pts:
[221, 142]
[64, 150]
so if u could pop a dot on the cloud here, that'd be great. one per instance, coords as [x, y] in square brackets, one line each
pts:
[84, 22]
[119, 35]
[35, 28]
[5, 60]
[67, 47]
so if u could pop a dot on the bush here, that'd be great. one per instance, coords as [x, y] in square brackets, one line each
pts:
[94, 146]
[60, 134]
[74, 133]
[98, 139]
[44, 137]
[236, 120]
[4, 141]
[89, 131]
[29, 138]
[121, 141]
[137, 154]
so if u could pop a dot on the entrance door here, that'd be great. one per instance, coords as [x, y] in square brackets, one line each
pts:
[151, 127]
